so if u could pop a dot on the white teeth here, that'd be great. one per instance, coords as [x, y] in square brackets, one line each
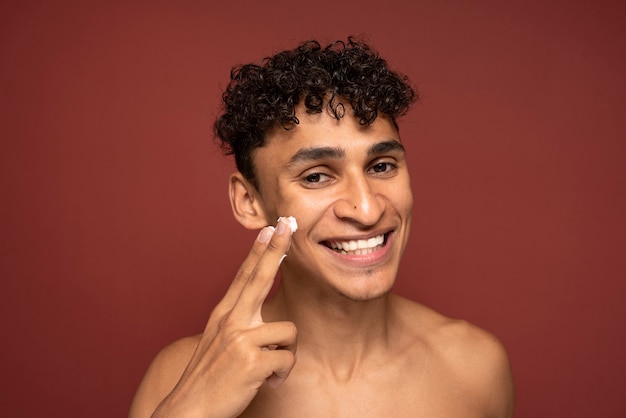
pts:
[359, 247]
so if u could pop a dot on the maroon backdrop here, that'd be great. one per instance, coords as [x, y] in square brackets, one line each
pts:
[116, 234]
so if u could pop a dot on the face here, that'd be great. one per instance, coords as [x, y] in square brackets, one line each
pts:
[348, 187]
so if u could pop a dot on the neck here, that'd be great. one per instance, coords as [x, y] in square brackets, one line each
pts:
[333, 329]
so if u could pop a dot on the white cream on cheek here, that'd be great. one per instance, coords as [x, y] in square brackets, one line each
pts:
[291, 221]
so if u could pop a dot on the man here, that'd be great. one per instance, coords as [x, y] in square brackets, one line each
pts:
[314, 136]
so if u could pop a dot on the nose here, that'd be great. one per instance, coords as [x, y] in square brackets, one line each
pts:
[360, 201]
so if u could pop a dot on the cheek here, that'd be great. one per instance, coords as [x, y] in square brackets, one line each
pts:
[407, 196]
[298, 205]
[307, 208]
[400, 196]
[408, 202]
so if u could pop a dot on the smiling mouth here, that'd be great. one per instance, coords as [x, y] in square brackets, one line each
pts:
[358, 247]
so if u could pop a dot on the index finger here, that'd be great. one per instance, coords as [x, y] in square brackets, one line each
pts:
[261, 278]
[244, 271]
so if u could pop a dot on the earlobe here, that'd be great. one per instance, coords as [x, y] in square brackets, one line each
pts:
[246, 203]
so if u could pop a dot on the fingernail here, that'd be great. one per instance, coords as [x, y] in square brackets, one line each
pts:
[266, 234]
[281, 227]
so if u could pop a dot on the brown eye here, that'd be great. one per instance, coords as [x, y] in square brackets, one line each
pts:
[383, 169]
[316, 180]
[380, 167]
[313, 178]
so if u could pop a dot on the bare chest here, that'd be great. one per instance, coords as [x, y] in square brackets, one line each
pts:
[412, 393]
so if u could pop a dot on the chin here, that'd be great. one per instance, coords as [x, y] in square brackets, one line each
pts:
[367, 297]
[372, 289]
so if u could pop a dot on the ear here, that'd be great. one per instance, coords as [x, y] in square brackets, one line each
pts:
[246, 202]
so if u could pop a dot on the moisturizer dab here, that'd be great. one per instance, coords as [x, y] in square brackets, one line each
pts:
[291, 221]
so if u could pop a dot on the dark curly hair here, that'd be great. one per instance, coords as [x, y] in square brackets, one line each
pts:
[261, 97]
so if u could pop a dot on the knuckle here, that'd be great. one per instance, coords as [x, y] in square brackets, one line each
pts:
[291, 329]
[226, 325]
[248, 360]
[257, 249]
[287, 359]
[237, 339]
[276, 245]
[218, 314]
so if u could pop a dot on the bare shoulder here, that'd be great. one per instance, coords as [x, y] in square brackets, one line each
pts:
[474, 358]
[162, 376]
[455, 339]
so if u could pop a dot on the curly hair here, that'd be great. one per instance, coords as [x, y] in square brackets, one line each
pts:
[262, 97]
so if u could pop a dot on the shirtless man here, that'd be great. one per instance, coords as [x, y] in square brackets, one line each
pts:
[314, 136]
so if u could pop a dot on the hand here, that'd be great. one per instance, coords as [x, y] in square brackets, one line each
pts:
[238, 352]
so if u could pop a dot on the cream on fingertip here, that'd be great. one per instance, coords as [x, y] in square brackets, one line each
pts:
[293, 224]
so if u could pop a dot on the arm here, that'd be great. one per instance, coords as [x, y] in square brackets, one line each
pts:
[219, 373]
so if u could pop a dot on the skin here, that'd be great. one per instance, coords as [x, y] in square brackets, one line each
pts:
[361, 351]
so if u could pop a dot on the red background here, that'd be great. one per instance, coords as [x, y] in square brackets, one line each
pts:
[116, 233]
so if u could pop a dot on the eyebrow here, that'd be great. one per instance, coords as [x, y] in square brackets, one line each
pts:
[386, 146]
[314, 154]
[322, 153]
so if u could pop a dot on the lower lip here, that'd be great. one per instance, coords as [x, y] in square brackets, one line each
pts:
[375, 257]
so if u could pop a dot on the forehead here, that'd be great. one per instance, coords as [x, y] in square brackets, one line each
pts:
[321, 130]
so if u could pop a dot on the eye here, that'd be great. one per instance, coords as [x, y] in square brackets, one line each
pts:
[316, 179]
[382, 168]
[313, 178]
